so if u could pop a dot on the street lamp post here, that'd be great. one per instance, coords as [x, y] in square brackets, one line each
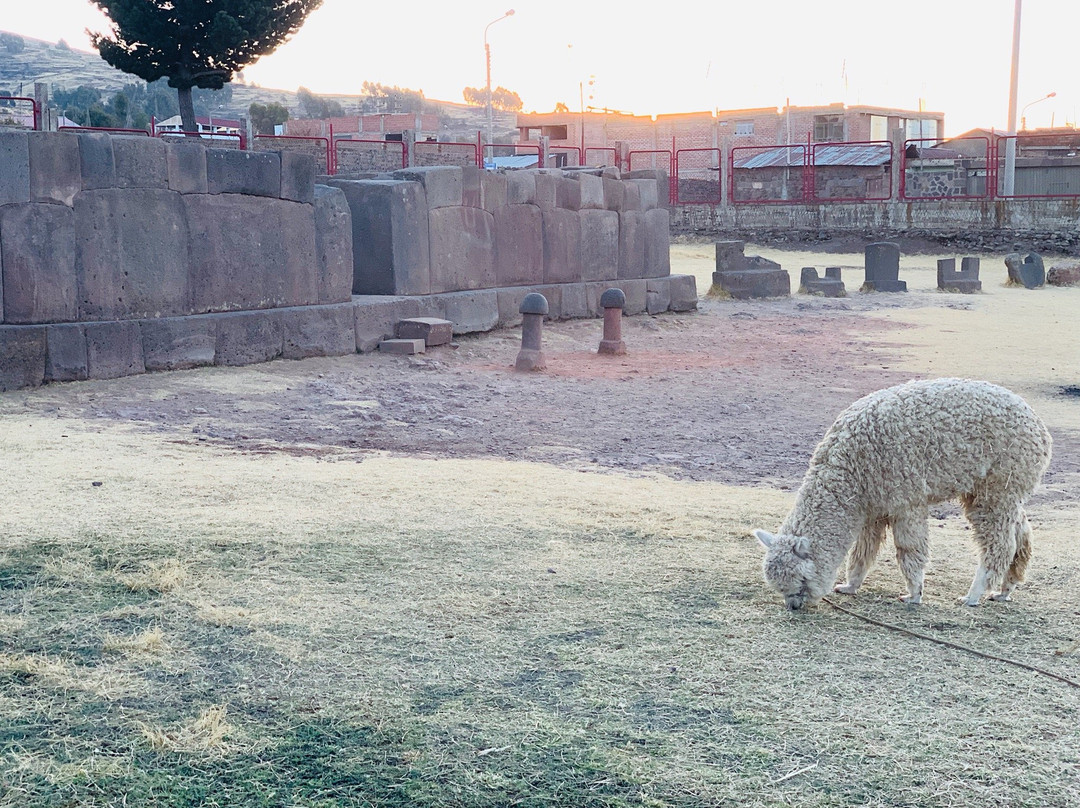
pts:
[1010, 144]
[1023, 117]
[487, 62]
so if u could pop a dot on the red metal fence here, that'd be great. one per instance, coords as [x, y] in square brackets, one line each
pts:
[318, 147]
[14, 103]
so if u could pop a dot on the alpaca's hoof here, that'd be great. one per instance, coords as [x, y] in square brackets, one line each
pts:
[965, 601]
[1001, 596]
[846, 589]
[911, 600]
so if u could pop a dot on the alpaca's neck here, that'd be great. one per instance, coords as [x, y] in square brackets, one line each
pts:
[822, 515]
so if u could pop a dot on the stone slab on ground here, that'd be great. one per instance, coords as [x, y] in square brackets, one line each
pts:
[247, 337]
[1064, 275]
[432, 330]
[317, 331]
[882, 267]
[682, 291]
[114, 349]
[1025, 270]
[22, 356]
[65, 359]
[375, 317]
[178, 343]
[811, 284]
[404, 347]
[752, 284]
[963, 281]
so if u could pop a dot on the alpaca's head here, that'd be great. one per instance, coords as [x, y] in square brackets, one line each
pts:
[791, 570]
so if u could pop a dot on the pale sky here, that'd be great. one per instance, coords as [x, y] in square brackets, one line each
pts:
[953, 55]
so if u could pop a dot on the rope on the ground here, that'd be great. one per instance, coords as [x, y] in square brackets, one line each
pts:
[954, 645]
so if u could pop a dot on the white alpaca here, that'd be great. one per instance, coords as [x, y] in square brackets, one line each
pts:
[885, 460]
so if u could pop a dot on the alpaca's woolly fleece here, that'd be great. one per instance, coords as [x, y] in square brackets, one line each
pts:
[885, 459]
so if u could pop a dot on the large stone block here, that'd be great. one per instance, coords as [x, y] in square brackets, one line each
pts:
[567, 193]
[730, 255]
[65, 359]
[22, 356]
[333, 244]
[176, 343]
[251, 253]
[186, 166]
[682, 290]
[231, 171]
[131, 254]
[614, 193]
[140, 162]
[1026, 270]
[318, 331]
[470, 311]
[546, 182]
[883, 268]
[591, 191]
[114, 349]
[657, 243]
[519, 245]
[298, 176]
[562, 246]
[15, 159]
[747, 284]
[37, 257]
[471, 194]
[648, 199]
[462, 249]
[660, 181]
[375, 316]
[631, 197]
[443, 185]
[574, 301]
[96, 161]
[658, 295]
[55, 167]
[493, 191]
[599, 243]
[631, 244]
[247, 337]
[636, 292]
[520, 187]
[391, 247]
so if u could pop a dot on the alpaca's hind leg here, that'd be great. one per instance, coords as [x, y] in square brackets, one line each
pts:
[1020, 560]
[910, 531]
[861, 558]
[996, 526]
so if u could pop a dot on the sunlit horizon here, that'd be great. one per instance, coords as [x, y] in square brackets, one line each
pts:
[697, 58]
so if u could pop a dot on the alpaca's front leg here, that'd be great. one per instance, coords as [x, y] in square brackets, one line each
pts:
[910, 534]
[863, 553]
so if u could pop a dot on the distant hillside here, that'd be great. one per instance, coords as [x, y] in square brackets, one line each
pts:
[59, 65]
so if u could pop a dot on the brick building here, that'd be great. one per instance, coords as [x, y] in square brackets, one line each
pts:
[386, 126]
[765, 126]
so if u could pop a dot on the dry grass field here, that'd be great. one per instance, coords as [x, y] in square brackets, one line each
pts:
[349, 582]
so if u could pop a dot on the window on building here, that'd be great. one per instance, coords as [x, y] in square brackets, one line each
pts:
[554, 132]
[744, 127]
[879, 127]
[922, 128]
[828, 129]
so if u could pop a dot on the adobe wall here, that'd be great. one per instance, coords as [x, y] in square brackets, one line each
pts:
[120, 255]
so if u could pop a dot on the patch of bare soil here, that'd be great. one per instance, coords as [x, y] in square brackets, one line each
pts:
[738, 392]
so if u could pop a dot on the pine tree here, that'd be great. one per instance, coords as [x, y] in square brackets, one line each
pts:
[195, 43]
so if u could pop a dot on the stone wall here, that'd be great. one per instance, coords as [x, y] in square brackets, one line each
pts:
[121, 254]
[434, 230]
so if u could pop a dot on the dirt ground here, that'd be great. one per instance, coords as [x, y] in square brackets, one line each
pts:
[738, 392]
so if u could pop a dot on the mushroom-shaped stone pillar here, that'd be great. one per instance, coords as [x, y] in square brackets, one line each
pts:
[531, 356]
[613, 301]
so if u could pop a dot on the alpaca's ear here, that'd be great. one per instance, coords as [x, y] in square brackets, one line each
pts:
[766, 539]
[801, 547]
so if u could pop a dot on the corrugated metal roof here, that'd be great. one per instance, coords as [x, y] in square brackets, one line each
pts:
[512, 161]
[862, 154]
